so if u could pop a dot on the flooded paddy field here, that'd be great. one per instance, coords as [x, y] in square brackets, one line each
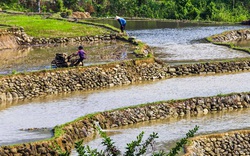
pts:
[172, 130]
[187, 44]
[171, 42]
[182, 41]
[176, 42]
[50, 111]
[243, 44]
[36, 58]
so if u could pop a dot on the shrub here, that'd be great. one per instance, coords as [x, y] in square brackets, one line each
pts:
[135, 148]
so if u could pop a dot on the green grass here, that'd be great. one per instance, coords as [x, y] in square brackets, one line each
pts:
[37, 26]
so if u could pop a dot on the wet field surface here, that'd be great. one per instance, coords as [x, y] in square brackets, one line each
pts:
[40, 57]
[171, 44]
[187, 44]
[53, 110]
[171, 130]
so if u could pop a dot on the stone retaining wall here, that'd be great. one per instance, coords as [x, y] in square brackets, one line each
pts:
[31, 85]
[14, 36]
[85, 126]
[232, 36]
[23, 39]
[230, 143]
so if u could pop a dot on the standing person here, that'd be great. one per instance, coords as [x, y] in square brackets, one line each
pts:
[82, 55]
[122, 23]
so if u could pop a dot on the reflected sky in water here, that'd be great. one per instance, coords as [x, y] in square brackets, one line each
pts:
[51, 111]
[188, 43]
[181, 41]
[171, 44]
[171, 130]
[39, 58]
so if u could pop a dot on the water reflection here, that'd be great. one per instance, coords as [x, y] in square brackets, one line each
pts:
[177, 43]
[243, 43]
[40, 57]
[197, 52]
[171, 130]
[139, 24]
[172, 41]
[187, 44]
[181, 41]
[51, 111]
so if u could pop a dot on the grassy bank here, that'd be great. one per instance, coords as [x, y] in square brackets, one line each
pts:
[38, 26]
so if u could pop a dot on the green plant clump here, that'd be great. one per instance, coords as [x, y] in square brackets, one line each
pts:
[135, 148]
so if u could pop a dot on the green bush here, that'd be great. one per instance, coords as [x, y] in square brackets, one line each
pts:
[134, 148]
[13, 7]
[66, 13]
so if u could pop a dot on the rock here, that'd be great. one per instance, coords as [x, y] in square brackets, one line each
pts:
[205, 111]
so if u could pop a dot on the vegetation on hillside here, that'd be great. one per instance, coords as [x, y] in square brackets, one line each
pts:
[211, 10]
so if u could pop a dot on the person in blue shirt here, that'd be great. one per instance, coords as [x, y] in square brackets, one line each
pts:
[122, 23]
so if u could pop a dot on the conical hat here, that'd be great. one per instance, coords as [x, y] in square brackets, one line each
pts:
[117, 17]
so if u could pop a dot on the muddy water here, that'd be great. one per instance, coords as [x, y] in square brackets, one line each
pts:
[181, 41]
[172, 42]
[172, 130]
[244, 44]
[187, 44]
[40, 57]
[48, 112]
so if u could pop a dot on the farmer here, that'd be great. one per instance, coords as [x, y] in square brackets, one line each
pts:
[82, 55]
[122, 23]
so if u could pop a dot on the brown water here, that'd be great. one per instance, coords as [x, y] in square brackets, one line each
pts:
[51, 111]
[172, 130]
[181, 41]
[172, 43]
[40, 57]
[187, 44]
[244, 44]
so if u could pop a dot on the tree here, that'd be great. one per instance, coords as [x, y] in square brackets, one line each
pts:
[59, 5]
[184, 7]
[210, 11]
[69, 3]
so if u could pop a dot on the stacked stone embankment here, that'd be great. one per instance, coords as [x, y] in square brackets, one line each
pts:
[23, 39]
[85, 126]
[35, 84]
[30, 85]
[230, 143]
[232, 36]
[15, 36]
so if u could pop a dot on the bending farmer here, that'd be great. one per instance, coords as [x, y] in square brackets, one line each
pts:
[122, 22]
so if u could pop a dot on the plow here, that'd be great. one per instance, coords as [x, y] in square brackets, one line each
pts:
[64, 60]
